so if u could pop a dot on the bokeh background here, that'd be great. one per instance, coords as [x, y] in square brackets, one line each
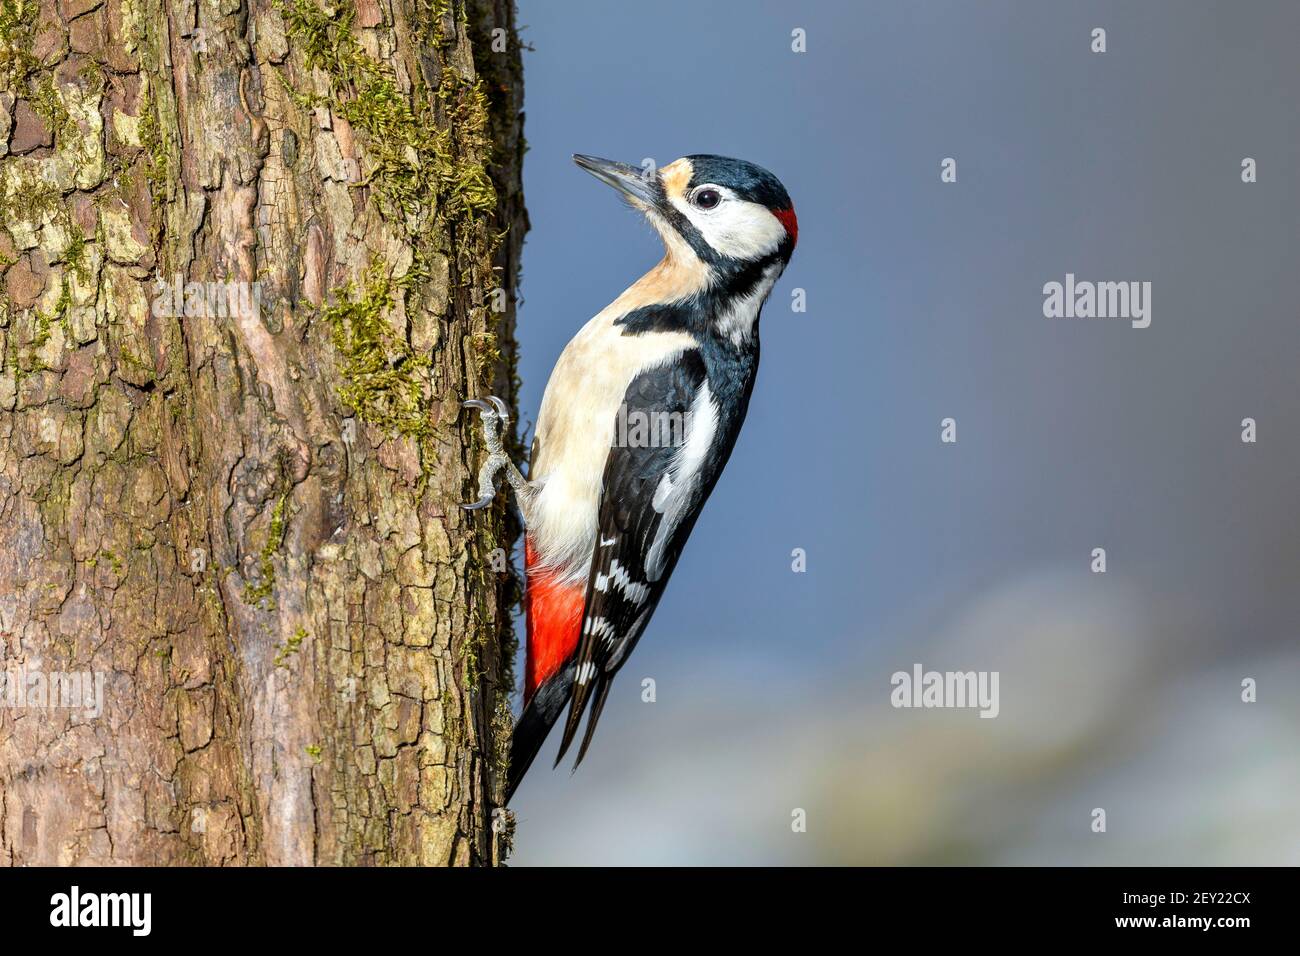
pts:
[924, 300]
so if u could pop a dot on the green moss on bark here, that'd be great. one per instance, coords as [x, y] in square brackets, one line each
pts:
[17, 33]
[385, 381]
[259, 593]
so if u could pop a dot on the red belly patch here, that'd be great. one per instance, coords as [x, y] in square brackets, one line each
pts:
[554, 612]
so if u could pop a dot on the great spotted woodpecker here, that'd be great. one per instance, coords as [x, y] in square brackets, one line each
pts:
[606, 514]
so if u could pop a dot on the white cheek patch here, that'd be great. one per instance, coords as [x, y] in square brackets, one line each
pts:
[735, 228]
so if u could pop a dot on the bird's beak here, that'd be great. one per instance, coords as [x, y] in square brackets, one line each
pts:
[640, 186]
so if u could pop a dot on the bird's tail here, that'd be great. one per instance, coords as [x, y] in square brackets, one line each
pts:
[540, 714]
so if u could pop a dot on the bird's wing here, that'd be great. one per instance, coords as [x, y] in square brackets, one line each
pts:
[654, 487]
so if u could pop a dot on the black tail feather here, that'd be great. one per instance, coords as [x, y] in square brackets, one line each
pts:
[535, 724]
[597, 705]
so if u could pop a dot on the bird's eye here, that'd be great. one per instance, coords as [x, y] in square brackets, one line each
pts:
[707, 198]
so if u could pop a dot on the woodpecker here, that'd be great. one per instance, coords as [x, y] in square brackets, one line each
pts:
[606, 508]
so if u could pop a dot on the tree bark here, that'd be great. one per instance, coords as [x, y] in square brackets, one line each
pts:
[245, 520]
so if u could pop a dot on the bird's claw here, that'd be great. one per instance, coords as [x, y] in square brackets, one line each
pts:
[493, 412]
[491, 406]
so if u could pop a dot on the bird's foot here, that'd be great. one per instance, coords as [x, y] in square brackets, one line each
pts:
[494, 413]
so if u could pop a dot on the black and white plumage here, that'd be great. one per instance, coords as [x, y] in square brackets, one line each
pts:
[608, 512]
[650, 499]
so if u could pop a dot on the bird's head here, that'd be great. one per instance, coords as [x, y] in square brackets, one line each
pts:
[729, 215]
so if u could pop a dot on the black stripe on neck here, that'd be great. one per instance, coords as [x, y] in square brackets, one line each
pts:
[731, 279]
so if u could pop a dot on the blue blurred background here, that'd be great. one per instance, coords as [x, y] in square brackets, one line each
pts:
[924, 301]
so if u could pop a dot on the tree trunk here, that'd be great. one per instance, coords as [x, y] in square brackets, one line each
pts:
[256, 253]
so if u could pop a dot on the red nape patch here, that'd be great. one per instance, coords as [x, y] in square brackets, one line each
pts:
[790, 221]
[554, 622]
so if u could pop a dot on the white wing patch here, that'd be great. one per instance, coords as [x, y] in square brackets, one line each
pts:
[662, 492]
[673, 495]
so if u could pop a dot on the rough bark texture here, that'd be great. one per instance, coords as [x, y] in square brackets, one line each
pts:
[248, 523]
